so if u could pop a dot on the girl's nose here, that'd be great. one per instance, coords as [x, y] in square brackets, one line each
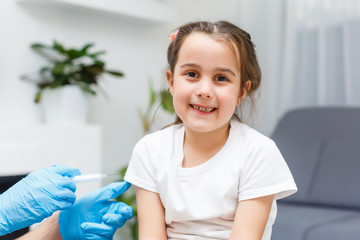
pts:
[204, 89]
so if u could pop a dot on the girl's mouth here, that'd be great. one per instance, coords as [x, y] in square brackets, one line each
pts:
[203, 109]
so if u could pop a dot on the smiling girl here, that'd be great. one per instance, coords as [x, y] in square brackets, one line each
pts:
[209, 176]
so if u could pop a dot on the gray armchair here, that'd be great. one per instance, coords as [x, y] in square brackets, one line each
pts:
[322, 149]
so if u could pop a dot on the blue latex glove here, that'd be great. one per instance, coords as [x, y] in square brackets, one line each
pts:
[94, 216]
[36, 197]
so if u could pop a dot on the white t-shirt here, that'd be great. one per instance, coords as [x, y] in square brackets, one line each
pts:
[200, 202]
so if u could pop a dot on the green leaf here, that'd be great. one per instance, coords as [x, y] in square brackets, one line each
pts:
[73, 54]
[87, 76]
[57, 46]
[167, 102]
[94, 69]
[134, 230]
[58, 68]
[99, 63]
[86, 47]
[87, 89]
[39, 45]
[96, 54]
[152, 93]
[38, 96]
[115, 73]
[44, 69]
[44, 50]
[122, 172]
[43, 84]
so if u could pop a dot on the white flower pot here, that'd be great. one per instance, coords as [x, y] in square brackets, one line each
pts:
[65, 105]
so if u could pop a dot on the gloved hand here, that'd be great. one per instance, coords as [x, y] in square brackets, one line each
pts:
[94, 216]
[36, 197]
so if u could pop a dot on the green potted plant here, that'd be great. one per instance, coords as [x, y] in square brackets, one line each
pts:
[68, 68]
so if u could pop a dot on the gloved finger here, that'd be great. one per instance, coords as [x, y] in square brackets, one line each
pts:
[66, 182]
[113, 190]
[92, 236]
[63, 205]
[125, 210]
[114, 220]
[66, 171]
[98, 228]
[65, 195]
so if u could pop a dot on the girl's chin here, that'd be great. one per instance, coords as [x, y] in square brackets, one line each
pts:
[203, 127]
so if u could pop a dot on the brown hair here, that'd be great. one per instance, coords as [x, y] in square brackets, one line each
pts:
[238, 40]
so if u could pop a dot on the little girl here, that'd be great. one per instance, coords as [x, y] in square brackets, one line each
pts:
[209, 176]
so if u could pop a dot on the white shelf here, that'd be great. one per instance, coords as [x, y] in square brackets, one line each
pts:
[148, 10]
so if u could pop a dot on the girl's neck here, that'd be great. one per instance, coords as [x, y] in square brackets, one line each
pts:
[201, 146]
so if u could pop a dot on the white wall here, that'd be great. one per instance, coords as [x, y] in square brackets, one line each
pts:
[136, 47]
[133, 46]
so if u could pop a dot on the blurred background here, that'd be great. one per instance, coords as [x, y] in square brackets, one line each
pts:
[308, 51]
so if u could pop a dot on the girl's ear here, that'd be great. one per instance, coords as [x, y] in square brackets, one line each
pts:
[244, 92]
[170, 80]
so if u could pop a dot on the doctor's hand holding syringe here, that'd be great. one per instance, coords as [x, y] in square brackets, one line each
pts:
[43, 192]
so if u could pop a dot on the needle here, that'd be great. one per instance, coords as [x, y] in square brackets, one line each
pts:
[91, 177]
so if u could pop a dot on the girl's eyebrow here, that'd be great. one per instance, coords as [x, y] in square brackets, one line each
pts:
[226, 70]
[217, 69]
[189, 65]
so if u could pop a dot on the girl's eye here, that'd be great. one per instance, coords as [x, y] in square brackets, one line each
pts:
[221, 79]
[191, 74]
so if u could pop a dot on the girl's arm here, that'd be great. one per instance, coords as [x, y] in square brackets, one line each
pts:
[251, 218]
[151, 215]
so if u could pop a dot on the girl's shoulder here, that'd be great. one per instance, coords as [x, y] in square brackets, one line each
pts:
[249, 135]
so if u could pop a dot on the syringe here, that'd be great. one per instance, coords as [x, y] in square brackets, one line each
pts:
[91, 177]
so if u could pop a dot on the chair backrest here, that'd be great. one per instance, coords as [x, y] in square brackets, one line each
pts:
[322, 149]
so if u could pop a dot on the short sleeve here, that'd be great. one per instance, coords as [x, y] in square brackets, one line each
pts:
[265, 172]
[141, 169]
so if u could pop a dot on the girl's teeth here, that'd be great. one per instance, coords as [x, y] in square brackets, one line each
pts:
[202, 109]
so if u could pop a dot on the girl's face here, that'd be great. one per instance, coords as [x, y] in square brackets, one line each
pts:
[205, 83]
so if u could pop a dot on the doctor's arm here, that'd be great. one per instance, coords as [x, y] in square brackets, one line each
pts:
[251, 218]
[151, 215]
